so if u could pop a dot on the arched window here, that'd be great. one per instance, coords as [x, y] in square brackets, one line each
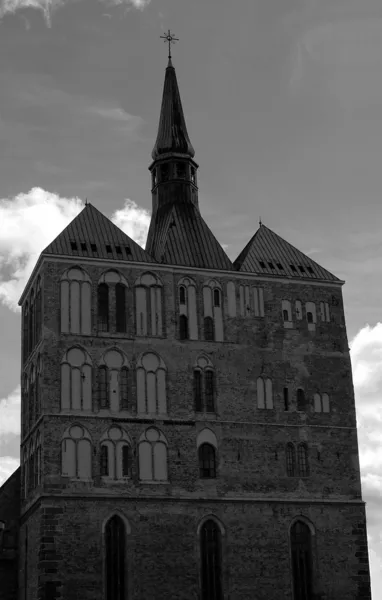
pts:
[325, 403]
[301, 405]
[264, 393]
[152, 456]
[309, 317]
[301, 561]
[209, 329]
[183, 327]
[287, 312]
[207, 461]
[75, 301]
[25, 331]
[211, 561]
[32, 396]
[115, 559]
[116, 455]
[120, 308]
[103, 307]
[148, 305]
[38, 459]
[38, 391]
[113, 381]
[76, 453]
[25, 471]
[182, 294]
[38, 308]
[285, 315]
[302, 459]
[290, 460]
[151, 384]
[204, 385]
[25, 401]
[76, 380]
[213, 314]
[310, 309]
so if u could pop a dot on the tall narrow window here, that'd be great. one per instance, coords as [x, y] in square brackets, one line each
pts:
[31, 323]
[290, 460]
[208, 329]
[76, 453]
[148, 305]
[211, 568]
[104, 460]
[76, 381]
[301, 406]
[126, 461]
[286, 398]
[207, 461]
[204, 386]
[198, 390]
[103, 388]
[287, 313]
[260, 393]
[216, 297]
[75, 301]
[103, 307]
[124, 388]
[152, 456]
[302, 457]
[25, 331]
[151, 384]
[115, 559]
[301, 561]
[183, 327]
[182, 295]
[120, 308]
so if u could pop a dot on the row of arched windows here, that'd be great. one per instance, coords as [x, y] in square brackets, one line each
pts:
[310, 313]
[31, 395]
[116, 454]
[31, 465]
[210, 533]
[32, 319]
[265, 398]
[114, 383]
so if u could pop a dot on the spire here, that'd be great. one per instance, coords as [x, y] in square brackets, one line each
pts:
[172, 135]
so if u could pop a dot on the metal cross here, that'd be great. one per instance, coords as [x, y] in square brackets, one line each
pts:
[170, 39]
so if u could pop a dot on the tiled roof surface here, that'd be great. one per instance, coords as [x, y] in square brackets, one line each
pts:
[172, 132]
[183, 238]
[93, 235]
[268, 253]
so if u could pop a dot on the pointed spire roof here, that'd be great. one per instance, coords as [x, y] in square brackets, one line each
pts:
[183, 238]
[268, 253]
[93, 235]
[172, 132]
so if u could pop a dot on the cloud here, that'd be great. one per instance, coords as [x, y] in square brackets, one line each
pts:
[48, 6]
[10, 413]
[8, 464]
[133, 220]
[24, 233]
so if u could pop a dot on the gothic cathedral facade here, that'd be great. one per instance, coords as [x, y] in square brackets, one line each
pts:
[188, 423]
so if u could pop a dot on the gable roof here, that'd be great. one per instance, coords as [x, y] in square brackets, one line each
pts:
[93, 235]
[266, 249]
[183, 238]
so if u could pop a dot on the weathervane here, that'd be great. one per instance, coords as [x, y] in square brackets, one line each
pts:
[170, 39]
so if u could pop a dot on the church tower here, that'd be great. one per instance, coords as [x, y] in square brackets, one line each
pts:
[188, 423]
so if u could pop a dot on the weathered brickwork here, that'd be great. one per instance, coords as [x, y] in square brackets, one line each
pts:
[9, 536]
[252, 496]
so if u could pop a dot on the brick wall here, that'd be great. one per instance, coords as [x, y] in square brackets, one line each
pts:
[9, 514]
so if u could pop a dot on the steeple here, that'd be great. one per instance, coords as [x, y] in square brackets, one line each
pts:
[177, 233]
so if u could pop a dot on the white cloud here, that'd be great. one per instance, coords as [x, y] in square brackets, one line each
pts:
[24, 233]
[10, 413]
[8, 464]
[28, 223]
[48, 6]
[133, 220]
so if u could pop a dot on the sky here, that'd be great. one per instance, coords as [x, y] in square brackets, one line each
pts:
[283, 103]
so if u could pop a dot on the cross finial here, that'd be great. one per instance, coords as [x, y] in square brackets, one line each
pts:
[170, 39]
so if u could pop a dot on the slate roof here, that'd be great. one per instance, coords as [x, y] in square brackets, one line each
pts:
[268, 253]
[172, 131]
[91, 234]
[183, 238]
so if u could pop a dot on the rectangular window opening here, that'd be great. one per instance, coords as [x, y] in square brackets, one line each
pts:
[310, 270]
[262, 264]
[108, 249]
[118, 249]
[127, 250]
[271, 265]
[93, 247]
[84, 247]
[301, 268]
[293, 268]
[73, 246]
[279, 266]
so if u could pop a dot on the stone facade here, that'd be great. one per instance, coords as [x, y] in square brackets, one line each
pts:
[9, 536]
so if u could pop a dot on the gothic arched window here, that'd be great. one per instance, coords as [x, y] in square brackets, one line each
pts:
[204, 385]
[103, 387]
[103, 307]
[182, 294]
[76, 380]
[183, 327]
[120, 308]
[152, 456]
[212, 311]
[300, 538]
[207, 461]
[302, 460]
[75, 301]
[151, 384]
[264, 393]
[116, 455]
[216, 297]
[301, 406]
[113, 381]
[211, 559]
[76, 453]
[148, 305]
[290, 460]
[115, 559]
